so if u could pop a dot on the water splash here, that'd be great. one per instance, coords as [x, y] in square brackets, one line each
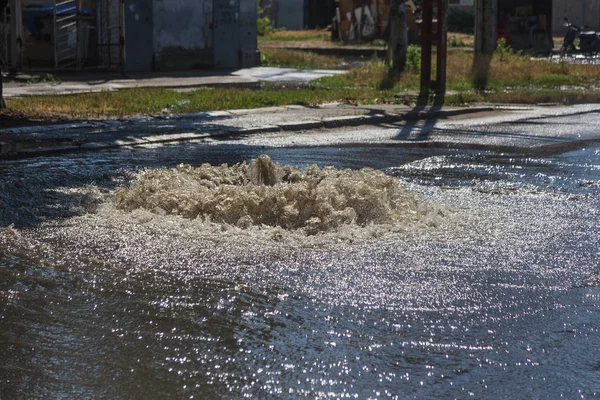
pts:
[264, 193]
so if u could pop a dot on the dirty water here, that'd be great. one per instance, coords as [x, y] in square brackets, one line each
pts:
[496, 297]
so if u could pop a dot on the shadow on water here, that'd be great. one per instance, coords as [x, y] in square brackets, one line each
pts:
[415, 129]
[41, 189]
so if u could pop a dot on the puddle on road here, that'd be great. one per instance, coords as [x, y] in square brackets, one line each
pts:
[496, 301]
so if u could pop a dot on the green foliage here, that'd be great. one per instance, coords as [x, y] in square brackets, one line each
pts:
[48, 77]
[517, 79]
[413, 58]
[264, 26]
[377, 42]
[557, 80]
[265, 59]
[263, 23]
[454, 42]
[156, 100]
[503, 50]
[461, 85]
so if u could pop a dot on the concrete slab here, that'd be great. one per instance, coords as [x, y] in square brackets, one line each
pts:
[88, 83]
[197, 126]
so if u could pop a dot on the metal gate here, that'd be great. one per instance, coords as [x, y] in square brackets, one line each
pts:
[62, 34]
[67, 35]
[4, 40]
[109, 17]
[226, 33]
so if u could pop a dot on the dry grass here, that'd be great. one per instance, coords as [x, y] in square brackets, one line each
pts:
[460, 40]
[512, 79]
[303, 35]
[281, 57]
[544, 97]
[509, 74]
[153, 101]
[514, 70]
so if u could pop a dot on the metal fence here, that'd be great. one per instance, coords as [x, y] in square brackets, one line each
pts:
[61, 34]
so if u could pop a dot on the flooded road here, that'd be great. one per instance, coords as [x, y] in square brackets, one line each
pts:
[495, 295]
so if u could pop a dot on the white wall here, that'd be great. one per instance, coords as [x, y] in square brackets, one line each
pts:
[183, 38]
[182, 23]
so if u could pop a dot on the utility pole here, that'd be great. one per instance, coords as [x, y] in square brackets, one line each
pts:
[485, 15]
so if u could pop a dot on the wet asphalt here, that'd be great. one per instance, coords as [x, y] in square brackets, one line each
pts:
[492, 127]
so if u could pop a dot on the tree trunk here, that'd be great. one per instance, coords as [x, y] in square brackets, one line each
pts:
[484, 41]
[2, 102]
[398, 40]
[3, 4]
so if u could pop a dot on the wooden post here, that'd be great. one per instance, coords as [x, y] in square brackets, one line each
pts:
[426, 45]
[427, 38]
[442, 48]
[79, 44]
[16, 41]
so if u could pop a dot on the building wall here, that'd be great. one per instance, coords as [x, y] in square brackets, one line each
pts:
[182, 35]
[579, 12]
[290, 14]
[249, 55]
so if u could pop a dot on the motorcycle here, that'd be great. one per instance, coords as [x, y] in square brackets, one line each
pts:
[589, 41]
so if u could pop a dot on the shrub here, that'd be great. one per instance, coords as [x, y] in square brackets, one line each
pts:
[503, 50]
[263, 23]
[413, 58]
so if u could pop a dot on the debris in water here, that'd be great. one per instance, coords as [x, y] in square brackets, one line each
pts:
[265, 193]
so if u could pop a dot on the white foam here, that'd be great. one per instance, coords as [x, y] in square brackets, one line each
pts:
[263, 193]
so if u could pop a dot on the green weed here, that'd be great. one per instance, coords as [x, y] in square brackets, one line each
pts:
[413, 58]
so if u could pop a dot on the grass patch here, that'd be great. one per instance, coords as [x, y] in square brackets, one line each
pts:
[293, 36]
[513, 78]
[279, 57]
[153, 101]
[377, 43]
[519, 71]
[457, 39]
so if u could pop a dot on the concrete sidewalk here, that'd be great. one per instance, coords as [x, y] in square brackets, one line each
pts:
[93, 135]
[97, 82]
[96, 135]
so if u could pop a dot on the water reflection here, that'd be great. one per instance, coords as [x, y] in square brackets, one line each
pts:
[499, 303]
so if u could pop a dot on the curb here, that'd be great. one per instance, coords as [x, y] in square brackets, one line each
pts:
[29, 147]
